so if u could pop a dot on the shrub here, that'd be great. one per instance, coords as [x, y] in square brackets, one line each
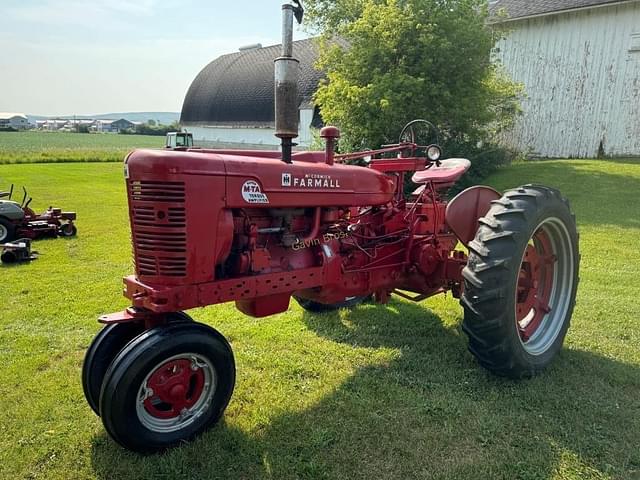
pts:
[398, 60]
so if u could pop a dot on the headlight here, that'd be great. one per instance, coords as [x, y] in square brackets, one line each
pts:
[434, 153]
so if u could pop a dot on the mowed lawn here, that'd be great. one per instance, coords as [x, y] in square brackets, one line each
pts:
[378, 392]
[44, 147]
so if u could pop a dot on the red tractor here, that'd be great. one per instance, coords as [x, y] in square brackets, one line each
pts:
[257, 228]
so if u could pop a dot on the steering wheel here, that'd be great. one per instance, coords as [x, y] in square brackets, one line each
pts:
[417, 130]
[420, 132]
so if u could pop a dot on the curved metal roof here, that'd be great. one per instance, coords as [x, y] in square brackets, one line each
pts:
[238, 89]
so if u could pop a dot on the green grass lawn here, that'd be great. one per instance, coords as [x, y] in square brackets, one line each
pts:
[53, 147]
[379, 392]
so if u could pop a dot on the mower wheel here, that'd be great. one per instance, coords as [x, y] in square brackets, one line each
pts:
[7, 231]
[67, 230]
[317, 307]
[166, 386]
[104, 348]
[520, 281]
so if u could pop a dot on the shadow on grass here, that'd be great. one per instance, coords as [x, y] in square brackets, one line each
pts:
[597, 196]
[430, 413]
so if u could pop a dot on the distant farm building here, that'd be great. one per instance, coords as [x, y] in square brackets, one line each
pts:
[96, 126]
[52, 124]
[580, 63]
[113, 126]
[232, 99]
[17, 121]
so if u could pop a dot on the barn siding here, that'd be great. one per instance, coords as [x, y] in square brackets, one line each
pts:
[582, 80]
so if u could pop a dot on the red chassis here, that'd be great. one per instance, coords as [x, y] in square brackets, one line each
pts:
[342, 231]
[52, 222]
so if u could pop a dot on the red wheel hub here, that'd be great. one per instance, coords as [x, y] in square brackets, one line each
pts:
[175, 386]
[535, 284]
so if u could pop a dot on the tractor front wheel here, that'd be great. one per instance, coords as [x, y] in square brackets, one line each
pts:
[520, 281]
[104, 348]
[67, 230]
[166, 386]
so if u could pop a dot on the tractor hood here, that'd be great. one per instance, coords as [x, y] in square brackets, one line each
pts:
[260, 179]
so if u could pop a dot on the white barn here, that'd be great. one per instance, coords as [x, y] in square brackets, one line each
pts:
[580, 63]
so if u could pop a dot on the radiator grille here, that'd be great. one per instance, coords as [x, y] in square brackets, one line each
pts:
[165, 266]
[159, 228]
[146, 191]
[145, 216]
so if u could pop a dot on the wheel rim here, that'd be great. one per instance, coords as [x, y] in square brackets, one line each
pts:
[176, 392]
[4, 233]
[545, 283]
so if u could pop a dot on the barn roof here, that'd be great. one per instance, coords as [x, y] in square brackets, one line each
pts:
[10, 115]
[238, 89]
[515, 9]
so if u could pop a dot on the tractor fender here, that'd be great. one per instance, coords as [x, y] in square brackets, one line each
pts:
[11, 211]
[464, 211]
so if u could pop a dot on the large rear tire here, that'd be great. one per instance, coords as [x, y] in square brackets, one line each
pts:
[520, 281]
[7, 231]
[166, 386]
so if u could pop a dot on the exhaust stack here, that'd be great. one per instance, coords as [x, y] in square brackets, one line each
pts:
[287, 70]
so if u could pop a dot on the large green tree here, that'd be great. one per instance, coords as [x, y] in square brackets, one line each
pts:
[397, 60]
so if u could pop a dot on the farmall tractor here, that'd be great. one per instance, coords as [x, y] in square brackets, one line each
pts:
[258, 228]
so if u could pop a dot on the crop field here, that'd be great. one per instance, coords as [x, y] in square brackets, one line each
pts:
[380, 392]
[54, 147]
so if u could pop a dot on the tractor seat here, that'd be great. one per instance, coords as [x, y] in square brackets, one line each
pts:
[447, 173]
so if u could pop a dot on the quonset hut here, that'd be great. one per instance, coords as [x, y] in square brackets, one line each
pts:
[231, 101]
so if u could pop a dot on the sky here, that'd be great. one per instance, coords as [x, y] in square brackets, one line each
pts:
[66, 57]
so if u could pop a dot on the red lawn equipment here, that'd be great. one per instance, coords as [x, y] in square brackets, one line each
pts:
[257, 228]
[18, 220]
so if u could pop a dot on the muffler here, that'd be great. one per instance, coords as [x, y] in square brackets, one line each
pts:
[287, 71]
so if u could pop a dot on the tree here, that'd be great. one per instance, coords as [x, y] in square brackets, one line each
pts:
[398, 60]
[151, 123]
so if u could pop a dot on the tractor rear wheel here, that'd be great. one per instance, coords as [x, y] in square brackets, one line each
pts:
[7, 231]
[520, 281]
[104, 348]
[166, 386]
[317, 307]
